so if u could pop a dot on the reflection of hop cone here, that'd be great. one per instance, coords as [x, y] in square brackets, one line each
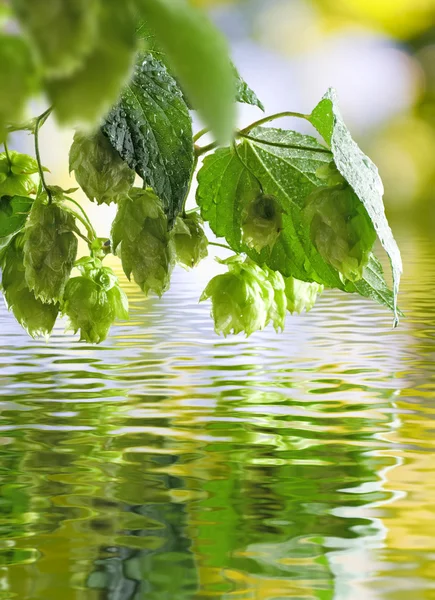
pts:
[340, 229]
[190, 240]
[261, 222]
[246, 298]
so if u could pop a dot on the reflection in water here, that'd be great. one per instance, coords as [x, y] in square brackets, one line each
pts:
[172, 464]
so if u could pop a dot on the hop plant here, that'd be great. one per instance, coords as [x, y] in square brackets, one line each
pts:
[140, 237]
[340, 229]
[245, 299]
[93, 301]
[330, 174]
[34, 316]
[301, 295]
[190, 240]
[50, 248]
[98, 168]
[16, 172]
[261, 222]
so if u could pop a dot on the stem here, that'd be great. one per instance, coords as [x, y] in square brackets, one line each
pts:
[192, 210]
[89, 226]
[91, 232]
[86, 239]
[40, 121]
[220, 246]
[8, 158]
[192, 173]
[282, 144]
[200, 150]
[272, 118]
[200, 134]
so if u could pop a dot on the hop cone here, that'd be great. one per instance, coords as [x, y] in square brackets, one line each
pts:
[190, 240]
[16, 174]
[340, 229]
[261, 222]
[50, 249]
[93, 301]
[245, 299]
[98, 168]
[330, 174]
[37, 318]
[140, 237]
[301, 295]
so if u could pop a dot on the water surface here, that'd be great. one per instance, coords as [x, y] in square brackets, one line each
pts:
[170, 464]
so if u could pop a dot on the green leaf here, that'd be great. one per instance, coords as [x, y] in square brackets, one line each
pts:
[374, 286]
[140, 237]
[244, 93]
[225, 186]
[85, 95]
[151, 129]
[98, 168]
[50, 249]
[13, 214]
[16, 172]
[198, 55]
[18, 79]
[361, 174]
[62, 32]
[289, 175]
[37, 318]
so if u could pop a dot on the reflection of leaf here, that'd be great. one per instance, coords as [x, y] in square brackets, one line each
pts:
[361, 174]
[151, 129]
[198, 55]
[13, 214]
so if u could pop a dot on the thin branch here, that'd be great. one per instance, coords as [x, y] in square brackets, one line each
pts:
[200, 150]
[200, 134]
[220, 246]
[40, 121]
[8, 158]
[80, 207]
[280, 115]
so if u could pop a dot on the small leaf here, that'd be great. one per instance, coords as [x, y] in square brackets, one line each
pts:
[361, 174]
[83, 96]
[140, 237]
[244, 93]
[13, 214]
[37, 318]
[19, 79]
[50, 249]
[16, 174]
[198, 55]
[151, 129]
[98, 168]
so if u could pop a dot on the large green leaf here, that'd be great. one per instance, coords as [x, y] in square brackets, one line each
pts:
[151, 128]
[13, 214]
[84, 95]
[266, 164]
[362, 175]
[198, 55]
[61, 31]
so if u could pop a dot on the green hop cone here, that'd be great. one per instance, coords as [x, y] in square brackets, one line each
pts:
[261, 222]
[190, 241]
[34, 316]
[140, 237]
[50, 248]
[301, 295]
[330, 174]
[16, 174]
[246, 298]
[98, 168]
[340, 229]
[93, 301]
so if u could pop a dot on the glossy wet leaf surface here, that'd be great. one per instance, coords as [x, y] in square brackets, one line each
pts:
[170, 463]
